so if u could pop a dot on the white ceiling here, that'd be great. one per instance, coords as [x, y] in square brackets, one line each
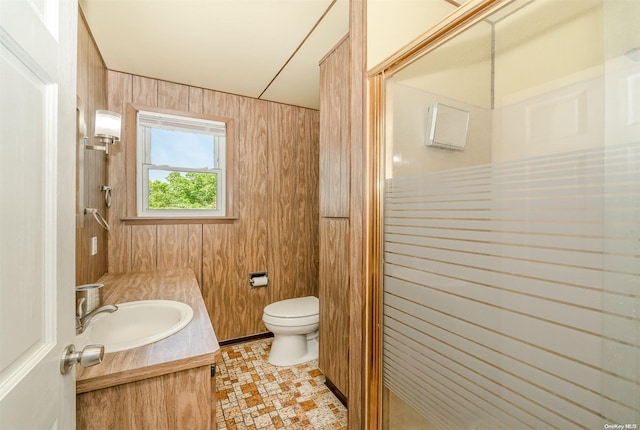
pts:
[267, 49]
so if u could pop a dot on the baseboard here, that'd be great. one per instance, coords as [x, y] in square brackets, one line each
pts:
[243, 339]
[336, 392]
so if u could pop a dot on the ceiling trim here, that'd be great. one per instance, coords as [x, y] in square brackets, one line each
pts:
[293, 54]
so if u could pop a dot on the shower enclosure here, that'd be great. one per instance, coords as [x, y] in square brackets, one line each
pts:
[510, 177]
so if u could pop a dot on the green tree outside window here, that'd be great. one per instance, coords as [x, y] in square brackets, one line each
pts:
[190, 190]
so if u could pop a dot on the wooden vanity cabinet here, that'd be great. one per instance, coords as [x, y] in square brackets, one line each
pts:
[180, 400]
[165, 385]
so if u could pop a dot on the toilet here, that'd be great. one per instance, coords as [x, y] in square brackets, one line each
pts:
[294, 324]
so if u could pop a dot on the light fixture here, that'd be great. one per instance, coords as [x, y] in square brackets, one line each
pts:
[107, 130]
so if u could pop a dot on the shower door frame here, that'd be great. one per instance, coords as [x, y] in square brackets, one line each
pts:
[461, 19]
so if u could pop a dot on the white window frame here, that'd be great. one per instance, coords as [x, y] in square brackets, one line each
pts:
[145, 120]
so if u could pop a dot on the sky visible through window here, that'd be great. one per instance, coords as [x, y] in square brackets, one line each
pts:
[180, 149]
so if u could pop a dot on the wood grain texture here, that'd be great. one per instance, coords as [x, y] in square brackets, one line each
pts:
[223, 291]
[334, 308]
[145, 91]
[218, 104]
[312, 179]
[275, 151]
[214, 424]
[119, 87]
[252, 209]
[195, 251]
[292, 204]
[281, 156]
[194, 346]
[195, 99]
[143, 248]
[173, 96]
[130, 159]
[221, 104]
[359, 362]
[335, 132]
[174, 401]
[335, 144]
[91, 165]
[173, 246]
[306, 204]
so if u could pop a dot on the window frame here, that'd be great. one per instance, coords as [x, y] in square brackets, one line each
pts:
[134, 174]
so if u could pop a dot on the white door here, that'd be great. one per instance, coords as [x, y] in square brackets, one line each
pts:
[37, 195]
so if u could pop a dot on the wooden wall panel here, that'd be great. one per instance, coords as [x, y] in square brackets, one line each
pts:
[277, 211]
[91, 165]
[195, 99]
[362, 407]
[300, 270]
[252, 206]
[120, 92]
[173, 96]
[223, 292]
[143, 248]
[312, 229]
[145, 91]
[335, 144]
[335, 137]
[276, 166]
[292, 203]
[195, 251]
[334, 306]
[282, 208]
[173, 246]
[221, 104]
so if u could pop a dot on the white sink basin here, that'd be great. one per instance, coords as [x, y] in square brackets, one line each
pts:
[136, 324]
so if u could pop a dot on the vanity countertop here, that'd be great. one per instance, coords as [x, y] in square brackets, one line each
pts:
[193, 346]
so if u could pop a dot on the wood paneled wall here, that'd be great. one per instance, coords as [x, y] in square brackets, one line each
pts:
[91, 165]
[335, 137]
[334, 304]
[335, 146]
[363, 408]
[275, 202]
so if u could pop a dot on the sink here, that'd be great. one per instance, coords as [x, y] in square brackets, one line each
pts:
[136, 324]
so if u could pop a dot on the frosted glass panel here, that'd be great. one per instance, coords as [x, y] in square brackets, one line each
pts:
[494, 288]
[511, 294]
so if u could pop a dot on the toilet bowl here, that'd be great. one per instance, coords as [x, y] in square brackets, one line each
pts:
[294, 324]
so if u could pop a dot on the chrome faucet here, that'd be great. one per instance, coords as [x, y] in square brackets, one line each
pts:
[83, 321]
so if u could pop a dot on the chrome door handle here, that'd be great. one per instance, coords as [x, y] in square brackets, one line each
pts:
[89, 356]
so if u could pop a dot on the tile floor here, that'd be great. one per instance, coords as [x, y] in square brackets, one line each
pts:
[253, 394]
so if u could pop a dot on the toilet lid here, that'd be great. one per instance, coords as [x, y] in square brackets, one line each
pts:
[293, 308]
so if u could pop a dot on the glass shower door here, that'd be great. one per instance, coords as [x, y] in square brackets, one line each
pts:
[511, 287]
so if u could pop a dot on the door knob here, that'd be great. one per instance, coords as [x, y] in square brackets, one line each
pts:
[89, 356]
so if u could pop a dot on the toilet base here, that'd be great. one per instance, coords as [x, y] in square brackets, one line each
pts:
[289, 350]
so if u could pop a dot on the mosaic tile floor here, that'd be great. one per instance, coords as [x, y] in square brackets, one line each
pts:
[253, 394]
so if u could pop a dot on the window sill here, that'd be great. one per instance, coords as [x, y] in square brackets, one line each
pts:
[177, 220]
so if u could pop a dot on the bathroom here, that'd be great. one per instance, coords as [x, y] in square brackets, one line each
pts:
[278, 200]
[272, 208]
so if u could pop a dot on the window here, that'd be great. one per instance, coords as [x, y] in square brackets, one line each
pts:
[180, 166]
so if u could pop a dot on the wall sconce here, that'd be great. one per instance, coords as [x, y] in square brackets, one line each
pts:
[107, 130]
